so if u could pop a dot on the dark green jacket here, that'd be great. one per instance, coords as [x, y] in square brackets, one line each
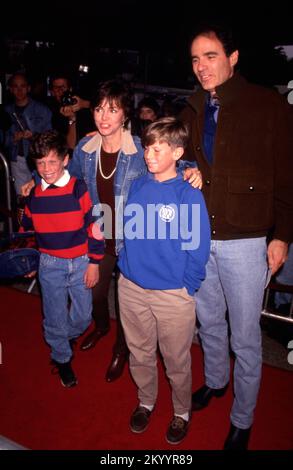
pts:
[249, 188]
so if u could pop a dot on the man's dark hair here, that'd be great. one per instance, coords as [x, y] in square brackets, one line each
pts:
[223, 33]
[59, 76]
[18, 74]
[115, 91]
[44, 142]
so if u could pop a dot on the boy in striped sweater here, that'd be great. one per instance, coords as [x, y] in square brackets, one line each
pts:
[59, 210]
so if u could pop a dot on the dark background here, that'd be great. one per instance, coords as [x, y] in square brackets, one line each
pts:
[145, 40]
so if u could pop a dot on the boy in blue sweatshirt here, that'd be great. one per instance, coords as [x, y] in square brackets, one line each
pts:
[162, 264]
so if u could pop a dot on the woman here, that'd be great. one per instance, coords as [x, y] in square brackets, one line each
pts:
[108, 161]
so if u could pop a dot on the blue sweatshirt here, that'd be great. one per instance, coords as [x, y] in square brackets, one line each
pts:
[166, 235]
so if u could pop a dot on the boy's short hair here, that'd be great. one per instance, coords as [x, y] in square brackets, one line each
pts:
[43, 143]
[168, 129]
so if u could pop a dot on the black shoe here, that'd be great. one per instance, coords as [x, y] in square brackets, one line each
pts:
[237, 438]
[139, 420]
[66, 373]
[177, 430]
[116, 367]
[91, 340]
[202, 397]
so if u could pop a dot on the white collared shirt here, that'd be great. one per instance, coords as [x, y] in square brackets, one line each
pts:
[60, 183]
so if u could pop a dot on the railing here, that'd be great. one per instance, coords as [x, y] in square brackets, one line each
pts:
[8, 192]
[270, 312]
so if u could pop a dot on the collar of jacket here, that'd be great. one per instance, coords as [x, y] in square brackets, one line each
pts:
[127, 145]
[227, 92]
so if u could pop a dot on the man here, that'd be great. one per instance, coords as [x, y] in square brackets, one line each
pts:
[240, 138]
[71, 114]
[27, 117]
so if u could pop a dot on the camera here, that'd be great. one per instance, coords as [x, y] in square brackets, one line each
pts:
[67, 99]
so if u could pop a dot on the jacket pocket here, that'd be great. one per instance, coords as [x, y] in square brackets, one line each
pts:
[250, 202]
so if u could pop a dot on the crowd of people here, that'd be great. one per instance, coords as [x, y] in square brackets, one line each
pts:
[206, 254]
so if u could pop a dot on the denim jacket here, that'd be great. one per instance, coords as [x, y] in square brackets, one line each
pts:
[130, 165]
[38, 118]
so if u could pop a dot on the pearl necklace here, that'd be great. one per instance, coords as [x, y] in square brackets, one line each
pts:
[101, 171]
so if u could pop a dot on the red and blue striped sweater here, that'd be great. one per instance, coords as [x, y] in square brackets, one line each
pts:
[63, 222]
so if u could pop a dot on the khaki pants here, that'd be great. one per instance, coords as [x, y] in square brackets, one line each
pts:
[166, 317]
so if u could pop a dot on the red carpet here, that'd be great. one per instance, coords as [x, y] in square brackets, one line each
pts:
[38, 413]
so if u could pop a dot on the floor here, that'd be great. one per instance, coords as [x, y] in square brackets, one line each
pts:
[276, 334]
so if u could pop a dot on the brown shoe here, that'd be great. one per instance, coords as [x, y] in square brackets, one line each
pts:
[91, 340]
[140, 419]
[177, 430]
[116, 367]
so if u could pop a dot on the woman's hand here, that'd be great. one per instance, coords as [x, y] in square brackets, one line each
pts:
[193, 176]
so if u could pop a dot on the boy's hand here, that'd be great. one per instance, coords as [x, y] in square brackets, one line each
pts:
[26, 188]
[193, 176]
[91, 276]
[31, 274]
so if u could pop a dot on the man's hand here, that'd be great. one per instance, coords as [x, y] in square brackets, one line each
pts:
[22, 135]
[277, 254]
[91, 276]
[68, 112]
[26, 188]
[193, 176]
[80, 104]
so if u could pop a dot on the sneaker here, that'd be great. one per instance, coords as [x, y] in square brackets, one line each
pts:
[177, 430]
[66, 374]
[139, 420]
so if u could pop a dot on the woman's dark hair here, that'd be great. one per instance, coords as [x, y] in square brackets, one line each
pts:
[115, 91]
[43, 143]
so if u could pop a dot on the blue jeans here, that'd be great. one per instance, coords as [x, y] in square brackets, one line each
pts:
[235, 281]
[61, 279]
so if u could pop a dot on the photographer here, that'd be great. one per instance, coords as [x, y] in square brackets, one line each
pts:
[71, 114]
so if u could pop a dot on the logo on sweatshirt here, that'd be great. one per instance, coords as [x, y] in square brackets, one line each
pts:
[167, 213]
